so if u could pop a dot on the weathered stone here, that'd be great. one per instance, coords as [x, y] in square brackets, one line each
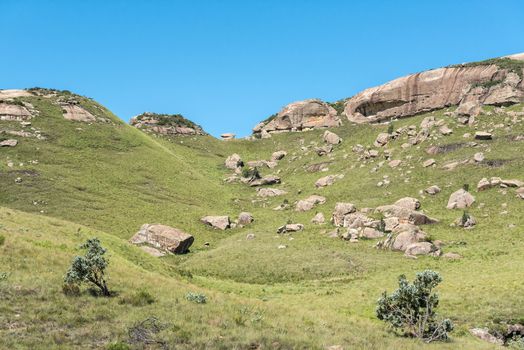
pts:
[483, 135]
[432, 190]
[8, 143]
[406, 214]
[483, 334]
[395, 163]
[420, 248]
[290, 228]
[233, 161]
[77, 113]
[245, 218]
[278, 155]
[428, 163]
[382, 139]
[163, 237]
[220, 222]
[266, 180]
[322, 151]
[341, 210]
[444, 130]
[166, 124]
[327, 180]
[309, 203]
[14, 112]
[478, 157]
[408, 203]
[404, 239]
[520, 193]
[318, 219]
[460, 199]
[228, 136]
[371, 233]
[452, 256]
[270, 192]
[331, 138]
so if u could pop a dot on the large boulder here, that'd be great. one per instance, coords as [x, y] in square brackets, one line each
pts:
[16, 112]
[436, 89]
[8, 143]
[219, 222]
[278, 155]
[421, 248]
[296, 116]
[166, 238]
[460, 199]
[245, 218]
[290, 228]
[309, 203]
[406, 214]
[409, 203]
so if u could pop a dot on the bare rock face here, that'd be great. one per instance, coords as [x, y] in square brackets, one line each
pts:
[165, 238]
[468, 85]
[166, 124]
[11, 111]
[219, 222]
[77, 113]
[301, 115]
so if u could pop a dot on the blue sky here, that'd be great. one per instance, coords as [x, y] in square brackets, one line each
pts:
[229, 64]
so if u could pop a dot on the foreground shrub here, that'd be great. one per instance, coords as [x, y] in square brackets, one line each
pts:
[196, 297]
[411, 308]
[89, 268]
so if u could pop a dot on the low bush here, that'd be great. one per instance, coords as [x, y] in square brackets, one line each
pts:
[411, 308]
[139, 298]
[198, 298]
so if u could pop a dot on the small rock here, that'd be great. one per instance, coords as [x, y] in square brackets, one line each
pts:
[245, 218]
[478, 157]
[394, 163]
[483, 135]
[331, 138]
[318, 219]
[428, 163]
[250, 236]
[432, 190]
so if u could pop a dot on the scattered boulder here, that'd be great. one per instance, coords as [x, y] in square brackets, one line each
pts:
[233, 162]
[466, 221]
[382, 139]
[478, 157]
[408, 203]
[483, 135]
[228, 136]
[395, 163]
[406, 214]
[432, 190]
[341, 210]
[278, 155]
[322, 151]
[460, 199]
[520, 193]
[318, 219]
[444, 130]
[421, 248]
[483, 334]
[331, 138]
[270, 192]
[245, 218]
[371, 233]
[290, 228]
[309, 203]
[8, 143]
[219, 222]
[428, 163]
[166, 238]
[266, 180]
[328, 180]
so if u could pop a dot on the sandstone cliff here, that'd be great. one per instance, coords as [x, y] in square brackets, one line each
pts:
[491, 82]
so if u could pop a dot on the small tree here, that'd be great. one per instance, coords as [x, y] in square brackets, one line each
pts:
[411, 308]
[89, 268]
[391, 128]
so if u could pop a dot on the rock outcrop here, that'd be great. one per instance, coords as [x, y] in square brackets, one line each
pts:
[162, 237]
[468, 86]
[166, 124]
[301, 115]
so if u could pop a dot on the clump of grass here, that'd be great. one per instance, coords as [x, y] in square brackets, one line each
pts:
[2, 240]
[139, 298]
[486, 84]
[197, 298]
[118, 346]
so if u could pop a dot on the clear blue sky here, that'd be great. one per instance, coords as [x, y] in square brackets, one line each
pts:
[229, 64]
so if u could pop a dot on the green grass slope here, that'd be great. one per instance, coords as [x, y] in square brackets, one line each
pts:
[107, 179]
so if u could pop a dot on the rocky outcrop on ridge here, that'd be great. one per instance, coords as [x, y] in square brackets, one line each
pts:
[298, 116]
[166, 124]
[491, 82]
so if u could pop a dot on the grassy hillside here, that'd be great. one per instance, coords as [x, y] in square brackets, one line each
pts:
[107, 179]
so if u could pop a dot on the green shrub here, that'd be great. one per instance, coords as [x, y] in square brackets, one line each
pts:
[139, 298]
[465, 217]
[465, 187]
[391, 128]
[89, 268]
[411, 308]
[2, 240]
[198, 298]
